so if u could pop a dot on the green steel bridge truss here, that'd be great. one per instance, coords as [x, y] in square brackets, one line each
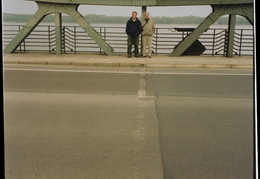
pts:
[69, 7]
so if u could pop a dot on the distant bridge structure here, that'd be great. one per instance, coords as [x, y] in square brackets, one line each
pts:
[70, 7]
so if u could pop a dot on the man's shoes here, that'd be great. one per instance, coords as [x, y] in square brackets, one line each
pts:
[149, 56]
[137, 56]
[143, 56]
[129, 56]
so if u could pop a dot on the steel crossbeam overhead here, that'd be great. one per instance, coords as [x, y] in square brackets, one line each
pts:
[69, 7]
[147, 2]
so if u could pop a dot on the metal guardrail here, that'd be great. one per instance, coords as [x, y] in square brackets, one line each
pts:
[75, 40]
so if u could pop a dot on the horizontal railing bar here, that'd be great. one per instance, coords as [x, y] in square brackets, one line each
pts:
[164, 40]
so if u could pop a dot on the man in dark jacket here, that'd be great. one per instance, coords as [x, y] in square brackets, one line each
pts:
[133, 30]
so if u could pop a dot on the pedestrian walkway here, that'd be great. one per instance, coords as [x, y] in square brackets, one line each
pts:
[157, 61]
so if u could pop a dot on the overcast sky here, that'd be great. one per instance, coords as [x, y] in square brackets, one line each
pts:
[30, 7]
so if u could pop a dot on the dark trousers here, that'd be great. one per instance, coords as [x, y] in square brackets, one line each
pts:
[130, 42]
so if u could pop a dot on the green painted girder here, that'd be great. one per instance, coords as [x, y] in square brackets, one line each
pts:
[45, 9]
[245, 10]
[27, 29]
[148, 2]
[231, 35]
[58, 31]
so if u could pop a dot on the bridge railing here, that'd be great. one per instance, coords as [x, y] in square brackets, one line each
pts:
[75, 40]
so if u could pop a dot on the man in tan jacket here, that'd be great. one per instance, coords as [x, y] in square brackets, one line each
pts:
[147, 33]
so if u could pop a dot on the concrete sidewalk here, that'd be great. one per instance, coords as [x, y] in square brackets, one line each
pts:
[157, 61]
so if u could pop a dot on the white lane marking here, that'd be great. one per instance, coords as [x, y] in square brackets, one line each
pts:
[128, 72]
[139, 130]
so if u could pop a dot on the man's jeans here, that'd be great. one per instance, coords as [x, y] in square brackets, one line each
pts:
[130, 42]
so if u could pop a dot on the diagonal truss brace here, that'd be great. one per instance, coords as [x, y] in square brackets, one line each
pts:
[45, 9]
[27, 29]
[245, 10]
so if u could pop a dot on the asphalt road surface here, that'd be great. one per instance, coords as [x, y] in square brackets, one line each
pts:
[75, 122]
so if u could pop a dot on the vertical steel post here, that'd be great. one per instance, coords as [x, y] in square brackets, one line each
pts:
[156, 42]
[100, 33]
[24, 46]
[105, 33]
[49, 38]
[231, 34]
[63, 39]
[58, 29]
[144, 9]
[240, 43]
[75, 40]
[19, 27]
[214, 38]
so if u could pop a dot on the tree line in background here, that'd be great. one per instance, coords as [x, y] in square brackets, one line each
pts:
[92, 18]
